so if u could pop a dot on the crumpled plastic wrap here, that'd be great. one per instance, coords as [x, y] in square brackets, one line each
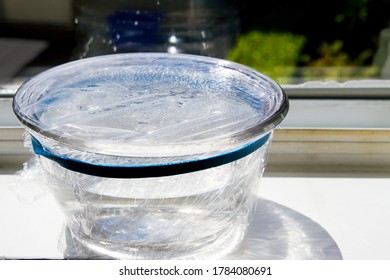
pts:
[275, 232]
[197, 215]
[28, 188]
[148, 108]
[266, 230]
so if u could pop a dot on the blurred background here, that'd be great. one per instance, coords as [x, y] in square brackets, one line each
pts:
[292, 41]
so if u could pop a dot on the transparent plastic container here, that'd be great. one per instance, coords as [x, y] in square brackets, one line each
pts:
[197, 27]
[153, 155]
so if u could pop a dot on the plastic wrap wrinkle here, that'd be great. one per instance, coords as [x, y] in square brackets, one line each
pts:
[274, 232]
[140, 105]
[167, 217]
[27, 187]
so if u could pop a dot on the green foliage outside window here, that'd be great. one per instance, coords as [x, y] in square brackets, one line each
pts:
[274, 54]
[280, 56]
[292, 42]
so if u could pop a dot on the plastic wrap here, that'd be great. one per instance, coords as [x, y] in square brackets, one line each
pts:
[153, 156]
[197, 215]
[28, 189]
[275, 232]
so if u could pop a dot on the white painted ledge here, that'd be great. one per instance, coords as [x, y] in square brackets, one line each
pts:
[354, 211]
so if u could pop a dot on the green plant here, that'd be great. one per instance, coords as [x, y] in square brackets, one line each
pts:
[273, 53]
[334, 63]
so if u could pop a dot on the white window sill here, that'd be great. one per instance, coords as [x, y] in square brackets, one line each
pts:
[354, 212]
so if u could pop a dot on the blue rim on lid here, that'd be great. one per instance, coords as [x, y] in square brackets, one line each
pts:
[148, 114]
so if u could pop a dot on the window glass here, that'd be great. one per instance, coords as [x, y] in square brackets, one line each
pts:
[299, 41]
[294, 42]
